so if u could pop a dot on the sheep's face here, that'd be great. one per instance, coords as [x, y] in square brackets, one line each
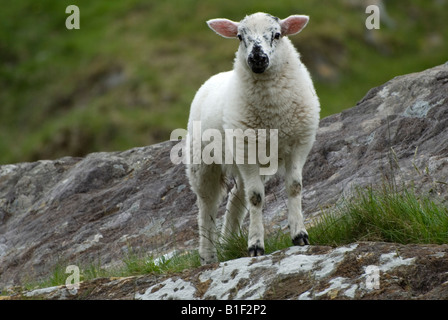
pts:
[259, 36]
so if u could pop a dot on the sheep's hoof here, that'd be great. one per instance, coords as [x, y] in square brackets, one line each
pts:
[208, 260]
[255, 251]
[301, 239]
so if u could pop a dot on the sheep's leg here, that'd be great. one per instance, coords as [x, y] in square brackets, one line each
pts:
[207, 230]
[294, 164]
[254, 190]
[206, 183]
[235, 211]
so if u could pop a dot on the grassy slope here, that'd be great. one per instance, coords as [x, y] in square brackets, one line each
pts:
[127, 77]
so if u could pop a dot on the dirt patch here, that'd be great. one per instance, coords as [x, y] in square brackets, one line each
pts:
[288, 287]
[354, 264]
[317, 250]
[116, 288]
[429, 272]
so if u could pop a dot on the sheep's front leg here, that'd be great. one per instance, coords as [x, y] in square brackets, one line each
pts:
[299, 235]
[294, 164]
[254, 192]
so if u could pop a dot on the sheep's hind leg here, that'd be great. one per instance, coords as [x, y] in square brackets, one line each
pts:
[235, 211]
[208, 188]
[256, 228]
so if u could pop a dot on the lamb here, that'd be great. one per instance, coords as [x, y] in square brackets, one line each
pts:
[268, 88]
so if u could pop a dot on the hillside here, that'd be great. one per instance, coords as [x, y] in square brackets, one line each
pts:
[127, 76]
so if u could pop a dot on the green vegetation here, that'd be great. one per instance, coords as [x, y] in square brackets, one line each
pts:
[128, 76]
[179, 261]
[133, 264]
[383, 215]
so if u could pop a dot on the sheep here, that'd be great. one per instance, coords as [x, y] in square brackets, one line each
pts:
[268, 88]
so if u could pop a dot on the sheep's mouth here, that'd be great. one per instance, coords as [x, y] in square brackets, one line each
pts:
[256, 69]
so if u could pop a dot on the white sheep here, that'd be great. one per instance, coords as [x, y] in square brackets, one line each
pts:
[269, 88]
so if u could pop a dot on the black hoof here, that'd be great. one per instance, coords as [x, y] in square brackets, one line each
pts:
[301, 239]
[255, 251]
[210, 260]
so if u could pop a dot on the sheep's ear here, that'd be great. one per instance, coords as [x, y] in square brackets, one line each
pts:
[293, 24]
[224, 27]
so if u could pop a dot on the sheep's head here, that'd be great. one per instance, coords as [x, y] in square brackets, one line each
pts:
[259, 35]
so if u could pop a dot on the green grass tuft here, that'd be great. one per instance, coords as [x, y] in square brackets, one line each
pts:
[384, 214]
[178, 262]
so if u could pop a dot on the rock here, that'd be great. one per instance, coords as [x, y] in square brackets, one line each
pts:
[356, 271]
[85, 210]
[96, 209]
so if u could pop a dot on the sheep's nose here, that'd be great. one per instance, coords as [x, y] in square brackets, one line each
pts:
[258, 61]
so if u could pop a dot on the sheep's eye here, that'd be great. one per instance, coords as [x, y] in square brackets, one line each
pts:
[277, 36]
[240, 37]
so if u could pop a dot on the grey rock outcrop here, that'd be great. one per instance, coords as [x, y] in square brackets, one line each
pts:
[356, 271]
[95, 209]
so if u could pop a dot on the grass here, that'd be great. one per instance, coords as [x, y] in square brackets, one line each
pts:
[177, 262]
[385, 214]
[128, 76]
[133, 264]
